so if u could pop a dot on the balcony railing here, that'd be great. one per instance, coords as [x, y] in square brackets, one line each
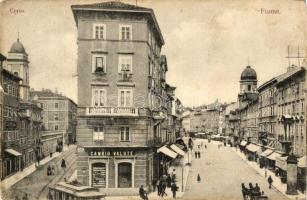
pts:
[112, 111]
[155, 142]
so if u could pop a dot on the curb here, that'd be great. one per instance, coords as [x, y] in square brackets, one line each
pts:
[260, 174]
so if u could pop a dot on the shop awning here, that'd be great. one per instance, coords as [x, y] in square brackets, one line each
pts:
[281, 162]
[243, 143]
[266, 153]
[177, 149]
[253, 148]
[13, 152]
[302, 162]
[273, 156]
[167, 152]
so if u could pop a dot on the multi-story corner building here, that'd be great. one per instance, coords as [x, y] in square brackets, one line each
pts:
[291, 111]
[2, 59]
[123, 98]
[11, 156]
[59, 115]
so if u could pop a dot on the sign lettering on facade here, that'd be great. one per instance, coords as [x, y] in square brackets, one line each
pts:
[111, 153]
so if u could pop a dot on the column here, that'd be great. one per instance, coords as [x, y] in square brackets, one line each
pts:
[291, 175]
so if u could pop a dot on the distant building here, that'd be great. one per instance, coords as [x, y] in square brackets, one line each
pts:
[248, 105]
[58, 116]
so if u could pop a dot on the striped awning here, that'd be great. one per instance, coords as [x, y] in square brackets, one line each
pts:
[253, 148]
[266, 153]
[13, 152]
[281, 162]
[243, 143]
[167, 152]
[177, 149]
[273, 156]
[302, 162]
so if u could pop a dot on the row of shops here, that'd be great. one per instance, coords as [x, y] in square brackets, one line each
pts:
[275, 161]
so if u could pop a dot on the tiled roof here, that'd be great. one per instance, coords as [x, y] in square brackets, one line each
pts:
[286, 75]
[112, 5]
[45, 93]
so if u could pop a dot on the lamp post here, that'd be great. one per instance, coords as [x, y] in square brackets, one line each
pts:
[182, 166]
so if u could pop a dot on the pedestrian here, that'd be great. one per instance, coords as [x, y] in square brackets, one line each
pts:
[270, 181]
[205, 146]
[174, 189]
[154, 184]
[169, 180]
[257, 190]
[25, 197]
[50, 154]
[244, 191]
[159, 185]
[63, 164]
[49, 170]
[142, 193]
[198, 178]
[198, 153]
[195, 154]
[163, 190]
[174, 175]
[52, 170]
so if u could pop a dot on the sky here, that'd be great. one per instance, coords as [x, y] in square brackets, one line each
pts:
[208, 43]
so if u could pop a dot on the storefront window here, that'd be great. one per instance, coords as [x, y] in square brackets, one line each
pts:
[99, 175]
[124, 175]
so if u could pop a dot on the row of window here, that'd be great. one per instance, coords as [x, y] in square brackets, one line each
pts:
[11, 90]
[99, 63]
[99, 97]
[98, 133]
[100, 31]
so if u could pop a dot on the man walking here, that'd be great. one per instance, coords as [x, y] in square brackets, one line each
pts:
[270, 181]
[174, 189]
[143, 193]
[63, 164]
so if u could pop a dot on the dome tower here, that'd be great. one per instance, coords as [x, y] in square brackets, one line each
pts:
[248, 81]
[18, 64]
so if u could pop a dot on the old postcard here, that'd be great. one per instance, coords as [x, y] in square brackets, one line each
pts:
[153, 99]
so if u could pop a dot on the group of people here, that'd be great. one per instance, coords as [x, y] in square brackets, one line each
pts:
[251, 191]
[166, 180]
[50, 170]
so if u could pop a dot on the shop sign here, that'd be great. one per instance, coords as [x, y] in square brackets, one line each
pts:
[110, 153]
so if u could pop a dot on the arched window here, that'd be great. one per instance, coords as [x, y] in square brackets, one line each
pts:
[124, 175]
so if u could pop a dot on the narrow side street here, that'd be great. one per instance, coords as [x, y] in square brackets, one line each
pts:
[36, 184]
[222, 172]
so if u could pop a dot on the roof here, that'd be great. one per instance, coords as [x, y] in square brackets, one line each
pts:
[266, 84]
[10, 74]
[48, 94]
[117, 6]
[248, 74]
[281, 78]
[2, 57]
[17, 47]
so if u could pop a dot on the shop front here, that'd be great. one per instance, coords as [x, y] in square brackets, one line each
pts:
[281, 168]
[272, 160]
[109, 169]
[12, 161]
[166, 157]
[263, 158]
[242, 145]
[253, 152]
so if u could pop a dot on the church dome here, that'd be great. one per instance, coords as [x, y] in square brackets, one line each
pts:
[248, 74]
[17, 47]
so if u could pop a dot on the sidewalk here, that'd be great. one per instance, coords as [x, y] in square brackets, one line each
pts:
[8, 182]
[282, 188]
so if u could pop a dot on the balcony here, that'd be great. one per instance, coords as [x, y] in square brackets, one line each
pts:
[112, 111]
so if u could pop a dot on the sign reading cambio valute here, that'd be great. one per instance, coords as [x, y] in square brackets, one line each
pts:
[110, 153]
